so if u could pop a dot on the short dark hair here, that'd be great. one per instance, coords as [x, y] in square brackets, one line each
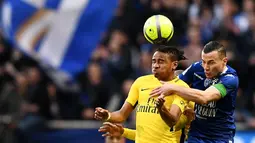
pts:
[174, 53]
[215, 46]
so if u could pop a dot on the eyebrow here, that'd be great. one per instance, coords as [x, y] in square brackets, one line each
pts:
[209, 60]
[158, 59]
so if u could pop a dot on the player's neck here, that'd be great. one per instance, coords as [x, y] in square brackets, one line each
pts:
[225, 68]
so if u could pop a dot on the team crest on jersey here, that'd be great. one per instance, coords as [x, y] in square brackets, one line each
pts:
[209, 82]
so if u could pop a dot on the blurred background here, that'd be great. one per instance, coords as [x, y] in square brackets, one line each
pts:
[59, 59]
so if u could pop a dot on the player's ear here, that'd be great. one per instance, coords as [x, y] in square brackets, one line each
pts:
[225, 60]
[174, 65]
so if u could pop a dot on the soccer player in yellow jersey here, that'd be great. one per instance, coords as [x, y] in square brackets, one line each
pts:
[155, 117]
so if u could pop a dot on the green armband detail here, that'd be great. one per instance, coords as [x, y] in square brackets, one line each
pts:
[221, 88]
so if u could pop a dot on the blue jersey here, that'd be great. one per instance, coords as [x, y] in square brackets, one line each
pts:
[216, 119]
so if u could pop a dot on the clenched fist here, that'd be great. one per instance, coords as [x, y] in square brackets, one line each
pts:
[101, 114]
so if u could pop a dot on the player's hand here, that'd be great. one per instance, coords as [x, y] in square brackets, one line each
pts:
[160, 102]
[164, 90]
[101, 114]
[110, 129]
[189, 113]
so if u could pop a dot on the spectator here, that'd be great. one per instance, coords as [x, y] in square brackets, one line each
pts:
[119, 61]
[36, 108]
[193, 50]
[97, 88]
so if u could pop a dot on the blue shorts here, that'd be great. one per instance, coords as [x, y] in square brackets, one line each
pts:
[192, 139]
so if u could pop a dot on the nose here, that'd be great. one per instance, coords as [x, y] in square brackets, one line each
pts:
[155, 65]
[206, 67]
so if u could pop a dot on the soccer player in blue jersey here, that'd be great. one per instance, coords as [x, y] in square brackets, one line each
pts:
[214, 87]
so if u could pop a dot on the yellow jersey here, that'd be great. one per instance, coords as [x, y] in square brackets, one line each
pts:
[150, 127]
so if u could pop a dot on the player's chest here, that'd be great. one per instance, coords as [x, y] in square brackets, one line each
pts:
[145, 99]
[201, 82]
[144, 92]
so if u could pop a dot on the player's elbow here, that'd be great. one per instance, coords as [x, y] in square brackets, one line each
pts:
[170, 120]
[171, 123]
[174, 119]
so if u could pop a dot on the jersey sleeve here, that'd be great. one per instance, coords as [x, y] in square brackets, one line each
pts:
[187, 75]
[133, 94]
[228, 83]
[180, 102]
[191, 104]
[129, 134]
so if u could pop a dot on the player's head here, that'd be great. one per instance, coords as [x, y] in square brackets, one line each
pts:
[165, 61]
[214, 59]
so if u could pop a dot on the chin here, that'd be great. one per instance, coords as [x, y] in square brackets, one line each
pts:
[156, 75]
[209, 77]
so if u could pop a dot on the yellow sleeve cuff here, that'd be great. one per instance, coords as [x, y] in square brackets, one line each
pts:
[129, 134]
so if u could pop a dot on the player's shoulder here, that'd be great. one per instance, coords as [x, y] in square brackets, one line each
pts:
[229, 74]
[195, 67]
[145, 78]
[231, 70]
[229, 77]
[197, 64]
[180, 82]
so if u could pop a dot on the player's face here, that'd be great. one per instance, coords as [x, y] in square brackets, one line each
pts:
[213, 63]
[162, 66]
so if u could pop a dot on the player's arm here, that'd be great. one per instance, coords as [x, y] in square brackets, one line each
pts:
[200, 96]
[213, 93]
[186, 118]
[117, 116]
[172, 115]
[122, 114]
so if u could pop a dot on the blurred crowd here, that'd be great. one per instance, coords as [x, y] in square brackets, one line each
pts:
[123, 54]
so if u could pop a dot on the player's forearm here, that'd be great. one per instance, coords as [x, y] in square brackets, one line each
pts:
[116, 117]
[129, 134]
[191, 94]
[122, 114]
[169, 119]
